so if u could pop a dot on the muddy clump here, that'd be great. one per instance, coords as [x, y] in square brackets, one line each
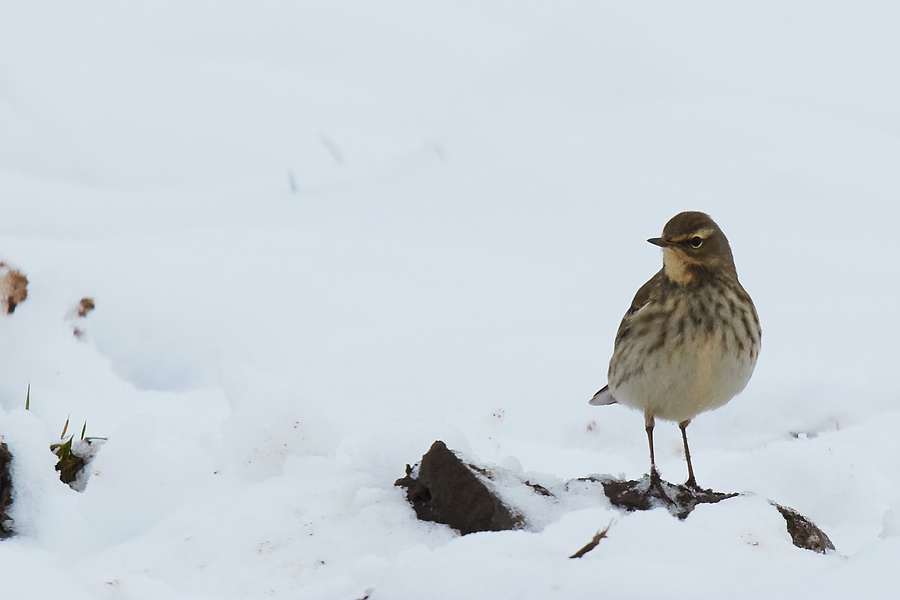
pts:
[646, 494]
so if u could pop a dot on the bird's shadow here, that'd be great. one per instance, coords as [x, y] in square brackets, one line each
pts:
[648, 493]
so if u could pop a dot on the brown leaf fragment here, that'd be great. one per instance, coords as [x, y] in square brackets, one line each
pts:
[85, 305]
[14, 289]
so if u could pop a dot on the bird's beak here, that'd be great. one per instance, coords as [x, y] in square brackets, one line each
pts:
[659, 242]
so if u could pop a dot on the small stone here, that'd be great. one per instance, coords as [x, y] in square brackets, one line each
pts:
[804, 533]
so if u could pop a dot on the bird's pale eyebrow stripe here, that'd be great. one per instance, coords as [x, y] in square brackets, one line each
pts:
[703, 233]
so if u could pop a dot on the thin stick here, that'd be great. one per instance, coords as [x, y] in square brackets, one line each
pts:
[593, 543]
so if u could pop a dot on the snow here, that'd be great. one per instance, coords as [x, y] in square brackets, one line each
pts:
[322, 236]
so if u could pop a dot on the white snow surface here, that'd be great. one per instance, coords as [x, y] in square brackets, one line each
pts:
[321, 236]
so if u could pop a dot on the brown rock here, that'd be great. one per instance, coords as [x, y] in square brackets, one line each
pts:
[443, 489]
[804, 533]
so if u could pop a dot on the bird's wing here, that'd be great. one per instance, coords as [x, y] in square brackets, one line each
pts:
[641, 299]
[644, 293]
[603, 397]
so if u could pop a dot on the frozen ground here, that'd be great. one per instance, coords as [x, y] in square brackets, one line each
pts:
[322, 235]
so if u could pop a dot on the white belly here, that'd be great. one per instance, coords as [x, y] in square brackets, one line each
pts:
[702, 375]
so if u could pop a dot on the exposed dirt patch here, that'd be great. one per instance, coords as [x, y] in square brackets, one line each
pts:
[644, 494]
[5, 491]
[444, 489]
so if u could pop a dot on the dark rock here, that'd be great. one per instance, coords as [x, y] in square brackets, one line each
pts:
[804, 533]
[5, 491]
[445, 490]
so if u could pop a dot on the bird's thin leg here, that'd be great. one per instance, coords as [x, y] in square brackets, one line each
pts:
[656, 484]
[691, 482]
[649, 423]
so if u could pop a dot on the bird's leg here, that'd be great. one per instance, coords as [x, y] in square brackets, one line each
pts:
[655, 479]
[655, 488]
[691, 482]
[649, 423]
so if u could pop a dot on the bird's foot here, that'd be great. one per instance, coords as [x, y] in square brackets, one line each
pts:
[657, 487]
[691, 484]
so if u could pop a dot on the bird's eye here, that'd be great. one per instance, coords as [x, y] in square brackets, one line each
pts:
[696, 242]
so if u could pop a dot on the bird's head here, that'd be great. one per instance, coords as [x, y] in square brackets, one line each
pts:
[692, 243]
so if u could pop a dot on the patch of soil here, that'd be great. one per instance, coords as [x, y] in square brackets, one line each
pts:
[5, 491]
[444, 489]
[645, 494]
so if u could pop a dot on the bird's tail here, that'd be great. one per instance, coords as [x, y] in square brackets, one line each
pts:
[603, 397]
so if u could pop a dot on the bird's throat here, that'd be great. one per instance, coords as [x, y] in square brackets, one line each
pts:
[677, 266]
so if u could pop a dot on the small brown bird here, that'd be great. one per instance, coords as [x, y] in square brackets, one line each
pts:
[691, 338]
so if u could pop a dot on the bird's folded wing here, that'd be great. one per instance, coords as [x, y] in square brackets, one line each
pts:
[602, 397]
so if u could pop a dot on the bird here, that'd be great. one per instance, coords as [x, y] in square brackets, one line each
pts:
[691, 338]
